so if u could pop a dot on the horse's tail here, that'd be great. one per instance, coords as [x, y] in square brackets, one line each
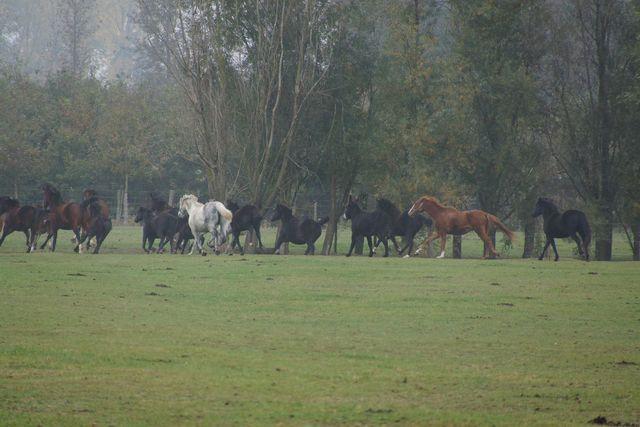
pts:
[585, 231]
[495, 221]
[323, 221]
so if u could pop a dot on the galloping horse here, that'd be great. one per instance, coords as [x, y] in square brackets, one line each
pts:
[89, 212]
[452, 221]
[27, 219]
[62, 215]
[95, 224]
[568, 224]
[402, 225]
[245, 218]
[205, 218]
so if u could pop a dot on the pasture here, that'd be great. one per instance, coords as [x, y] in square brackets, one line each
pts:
[128, 338]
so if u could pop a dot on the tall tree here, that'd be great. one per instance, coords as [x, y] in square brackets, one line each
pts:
[591, 56]
[76, 25]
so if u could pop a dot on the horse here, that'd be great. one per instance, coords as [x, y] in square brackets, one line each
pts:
[183, 234]
[452, 221]
[21, 218]
[367, 224]
[212, 217]
[244, 218]
[97, 225]
[91, 197]
[402, 225]
[294, 230]
[570, 223]
[62, 215]
[163, 225]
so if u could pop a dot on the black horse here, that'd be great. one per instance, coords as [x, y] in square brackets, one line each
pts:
[183, 235]
[244, 219]
[163, 226]
[368, 224]
[402, 225]
[96, 224]
[28, 219]
[570, 223]
[294, 230]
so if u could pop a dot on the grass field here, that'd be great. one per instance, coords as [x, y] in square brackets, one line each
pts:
[126, 338]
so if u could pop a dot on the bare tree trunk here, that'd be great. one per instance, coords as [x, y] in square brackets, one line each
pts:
[636, 241]
[15, 188]
[172, 194]
[333, 219]
[457, 246]
[125, 201]
[119, 205]
[604, 236]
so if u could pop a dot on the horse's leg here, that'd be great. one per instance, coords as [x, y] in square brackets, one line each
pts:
[385, 242]
[443, 244]
[279, 243]
[484, 236]
[5, 232]
[426, 242]
[544, 250]
[26, 233]
[370, 246]
[54, 241]
[579, 243]
[353, 243]
[49, 235]
[555, 250]
[257, 230]
[395, 244]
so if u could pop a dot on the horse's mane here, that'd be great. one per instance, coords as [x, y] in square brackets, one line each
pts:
[389, 208]
[54, 194]
[88, 202]
[434, 201]
[545, 201]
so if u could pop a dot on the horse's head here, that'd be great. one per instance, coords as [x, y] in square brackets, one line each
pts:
[543, 205]
[7, 203]
[141, 214]
[351, 208]
[232, 206]
[50, 196]
[421, 204]
[89, 193]
[281, 212]
[185, 204]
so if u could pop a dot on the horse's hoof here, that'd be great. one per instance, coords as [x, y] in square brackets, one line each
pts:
[203, 253]
[348, 255]
[406, 256]
[556, 260]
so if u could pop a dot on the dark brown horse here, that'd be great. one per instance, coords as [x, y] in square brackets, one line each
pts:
[452, 221]
[63, 215]
[91, 206]
[27, 219]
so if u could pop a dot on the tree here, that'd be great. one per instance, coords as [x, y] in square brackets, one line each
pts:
[76, 25]
[590, 62]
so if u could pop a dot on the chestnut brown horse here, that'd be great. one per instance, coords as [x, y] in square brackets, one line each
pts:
[62, 215]
[452, 221]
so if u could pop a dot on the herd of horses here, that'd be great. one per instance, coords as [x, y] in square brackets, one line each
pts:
[90, 222]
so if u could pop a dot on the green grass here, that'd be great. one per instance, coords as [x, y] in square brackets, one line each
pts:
[126, 338]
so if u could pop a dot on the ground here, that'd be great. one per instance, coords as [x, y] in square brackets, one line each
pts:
[126, 338]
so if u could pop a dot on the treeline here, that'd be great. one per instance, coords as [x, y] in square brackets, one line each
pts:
[483, 104]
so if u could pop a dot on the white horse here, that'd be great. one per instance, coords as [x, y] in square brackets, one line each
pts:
[212, 217]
